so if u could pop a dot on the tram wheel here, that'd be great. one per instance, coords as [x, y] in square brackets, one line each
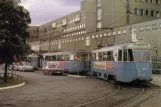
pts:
[114, 80]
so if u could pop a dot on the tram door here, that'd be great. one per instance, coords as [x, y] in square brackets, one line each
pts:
[85, 59]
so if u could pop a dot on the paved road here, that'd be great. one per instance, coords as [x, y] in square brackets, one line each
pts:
[54, 91]
[65, 91]
[157, 79]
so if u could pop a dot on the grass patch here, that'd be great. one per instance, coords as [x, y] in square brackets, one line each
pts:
[11, 82]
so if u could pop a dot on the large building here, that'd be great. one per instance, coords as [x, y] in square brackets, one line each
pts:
[100, 22]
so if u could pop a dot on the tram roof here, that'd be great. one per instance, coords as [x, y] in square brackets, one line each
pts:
[63, 53]
[124, 46]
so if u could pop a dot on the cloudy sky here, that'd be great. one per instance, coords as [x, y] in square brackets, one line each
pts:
[43, 11]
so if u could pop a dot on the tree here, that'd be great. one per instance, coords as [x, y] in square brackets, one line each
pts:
[14, 21]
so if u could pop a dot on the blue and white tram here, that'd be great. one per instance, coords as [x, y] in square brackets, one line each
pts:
[124, 63]
[69, 61]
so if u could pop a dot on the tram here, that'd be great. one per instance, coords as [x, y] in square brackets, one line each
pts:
[123, 63]
[69, 61]
[33, 60]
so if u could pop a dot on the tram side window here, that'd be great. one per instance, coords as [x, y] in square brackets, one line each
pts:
[54, 58]
[120, 55]
[48, 58]
[100, 56]
[125, 55]
[60, 58]
[130, 55]
[84, 57]
[66, 57]
[110, 56]
[105, 56]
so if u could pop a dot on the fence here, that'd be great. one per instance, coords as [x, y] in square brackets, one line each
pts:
[10, 75]
[156, 63]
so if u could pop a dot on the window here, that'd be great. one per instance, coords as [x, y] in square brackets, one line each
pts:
[105, 75]
[136, 11]
[93, 36]
[124, 32]
[146, 12]
[119, 32]
[54, 58]
[157, 1]
[130, 55]
[148, 27]
[152, 1]
[155, 26]
[105, 56]
[99, 3]
[99, 14]
[141, 28]
[53, 25]
[152, 13]
[64, 22]
[100, 56]
[142, 55]
[160, 25]
[109, 34]
[45, 29]
[87, 41]
[141, 12]
[120, 55]
[157, 14]
[125, 55]
[110, 56]
[99, 25]
[48, 58]
[77, 17]
[114, 33]
[59, 46]
[100, 35]
[133, 30]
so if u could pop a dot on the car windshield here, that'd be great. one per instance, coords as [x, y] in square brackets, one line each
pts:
[141, 55]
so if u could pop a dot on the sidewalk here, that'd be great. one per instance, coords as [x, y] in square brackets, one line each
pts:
[156, 79]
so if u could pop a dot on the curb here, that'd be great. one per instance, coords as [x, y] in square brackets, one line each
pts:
[155, 84]
[76, 76]
[11, 87]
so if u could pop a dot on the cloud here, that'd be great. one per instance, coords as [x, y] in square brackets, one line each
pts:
[43, 11]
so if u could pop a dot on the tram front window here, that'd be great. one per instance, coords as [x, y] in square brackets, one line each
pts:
[128, 55]
[142, 55]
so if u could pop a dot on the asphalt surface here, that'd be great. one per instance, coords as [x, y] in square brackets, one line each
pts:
[70, 91]
[54, 91]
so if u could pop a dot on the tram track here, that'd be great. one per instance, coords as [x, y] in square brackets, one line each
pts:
[144, 95]
[133, 99]
[97, 100]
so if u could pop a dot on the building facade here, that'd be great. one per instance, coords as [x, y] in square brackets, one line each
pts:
[100, 23]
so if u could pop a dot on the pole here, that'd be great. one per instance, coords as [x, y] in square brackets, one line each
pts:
[129, 20]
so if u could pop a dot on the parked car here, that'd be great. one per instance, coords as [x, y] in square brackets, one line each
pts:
[16, 66]
[52, 70]
[25, 67]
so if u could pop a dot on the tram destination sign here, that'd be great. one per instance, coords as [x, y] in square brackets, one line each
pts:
[141, 45]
